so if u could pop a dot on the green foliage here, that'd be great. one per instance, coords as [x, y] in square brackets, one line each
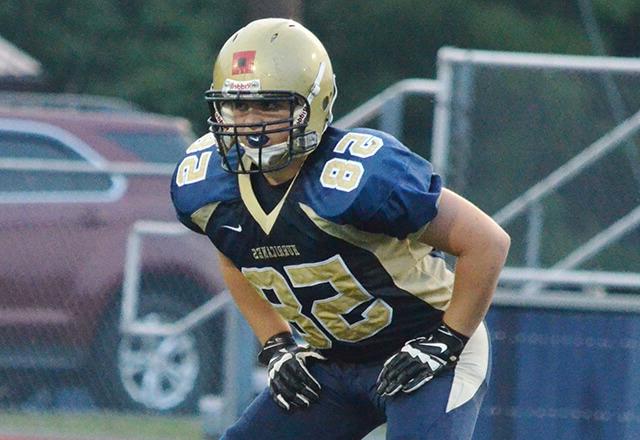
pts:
[622, 11]
[159, 54]
[620, 22]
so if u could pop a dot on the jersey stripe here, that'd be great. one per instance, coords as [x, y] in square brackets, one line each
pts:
[201, 216]
[471, 370]
[407, 261]
[266, 221]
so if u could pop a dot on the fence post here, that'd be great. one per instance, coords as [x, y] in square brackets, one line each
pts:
[240, 352]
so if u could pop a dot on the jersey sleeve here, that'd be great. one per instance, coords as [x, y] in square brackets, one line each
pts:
[397, 191]
[199, 180]
[184, 217]
[412, 201]
[400, 192]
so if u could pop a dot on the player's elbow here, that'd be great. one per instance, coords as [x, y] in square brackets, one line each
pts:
[500, 244]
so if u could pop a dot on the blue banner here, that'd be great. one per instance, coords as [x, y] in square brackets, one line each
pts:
[562, 374]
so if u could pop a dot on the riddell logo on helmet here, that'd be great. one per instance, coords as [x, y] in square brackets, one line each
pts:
[230, 85]
[301, 117]
[243, 62]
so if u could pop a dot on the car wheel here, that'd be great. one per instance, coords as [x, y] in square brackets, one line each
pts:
[157, 373]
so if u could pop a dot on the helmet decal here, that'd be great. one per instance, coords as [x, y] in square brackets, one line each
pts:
[230, 85]
[243, 62]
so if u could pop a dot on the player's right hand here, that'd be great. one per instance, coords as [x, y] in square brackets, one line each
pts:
[290, 382]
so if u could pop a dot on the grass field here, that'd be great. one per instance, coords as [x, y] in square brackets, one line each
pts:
[100, 425]
[106, 426]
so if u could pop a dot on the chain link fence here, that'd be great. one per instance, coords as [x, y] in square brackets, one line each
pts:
[548, 144]
[74, 186]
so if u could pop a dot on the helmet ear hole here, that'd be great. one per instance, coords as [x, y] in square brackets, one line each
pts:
[325, 103]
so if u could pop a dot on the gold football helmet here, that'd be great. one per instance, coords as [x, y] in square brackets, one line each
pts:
[279, 68]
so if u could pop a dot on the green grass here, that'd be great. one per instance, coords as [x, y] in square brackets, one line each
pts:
[111, 426]
[102, 425]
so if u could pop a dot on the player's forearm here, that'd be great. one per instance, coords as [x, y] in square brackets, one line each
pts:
[476, 278]
[261, 316]
[263, 319]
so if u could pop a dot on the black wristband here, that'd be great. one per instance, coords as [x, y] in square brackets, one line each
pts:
[454, 340]
[273, 344]
[457, 334]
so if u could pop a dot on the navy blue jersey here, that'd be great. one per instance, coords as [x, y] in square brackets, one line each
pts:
[339, 255]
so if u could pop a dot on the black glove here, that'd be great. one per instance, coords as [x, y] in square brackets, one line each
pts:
[419, 360]
[290, 383]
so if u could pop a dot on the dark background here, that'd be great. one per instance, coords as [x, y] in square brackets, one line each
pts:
[159, 54]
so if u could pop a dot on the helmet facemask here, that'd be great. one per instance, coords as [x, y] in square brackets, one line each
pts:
[255, 139]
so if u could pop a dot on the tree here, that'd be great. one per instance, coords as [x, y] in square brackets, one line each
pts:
[274, 8]
[160, 54]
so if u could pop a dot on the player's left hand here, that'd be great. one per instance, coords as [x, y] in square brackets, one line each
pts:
[419, 360]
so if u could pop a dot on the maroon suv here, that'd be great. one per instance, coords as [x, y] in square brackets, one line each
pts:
[63, 238]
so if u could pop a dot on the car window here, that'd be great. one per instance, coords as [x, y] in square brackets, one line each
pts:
[159, 147]
[33, 146]
[15, 145]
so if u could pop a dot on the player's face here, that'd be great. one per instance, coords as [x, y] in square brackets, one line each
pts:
[274, 113]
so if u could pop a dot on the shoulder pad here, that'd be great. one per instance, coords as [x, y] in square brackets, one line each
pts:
[394, 192]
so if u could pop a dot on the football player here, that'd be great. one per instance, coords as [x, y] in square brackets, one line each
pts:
[336, 237]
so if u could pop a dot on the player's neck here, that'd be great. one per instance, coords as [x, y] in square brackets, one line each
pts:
[286, 174]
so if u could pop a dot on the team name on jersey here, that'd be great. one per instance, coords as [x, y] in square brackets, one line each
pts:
[279, 251]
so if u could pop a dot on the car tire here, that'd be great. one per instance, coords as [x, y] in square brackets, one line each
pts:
[157, 374]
